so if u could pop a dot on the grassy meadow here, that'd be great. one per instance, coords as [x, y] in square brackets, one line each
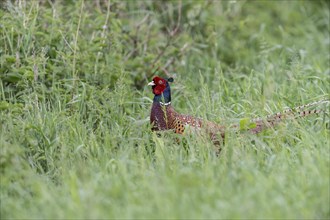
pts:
[75, 136]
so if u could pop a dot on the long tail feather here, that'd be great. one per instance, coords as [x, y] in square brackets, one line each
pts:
[270, 121]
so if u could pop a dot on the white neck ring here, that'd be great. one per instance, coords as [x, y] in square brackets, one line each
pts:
[165, 104]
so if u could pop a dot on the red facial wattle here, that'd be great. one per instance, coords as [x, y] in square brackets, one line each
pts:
[159, 85]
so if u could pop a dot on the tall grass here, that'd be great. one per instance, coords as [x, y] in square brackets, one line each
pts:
[74, 132]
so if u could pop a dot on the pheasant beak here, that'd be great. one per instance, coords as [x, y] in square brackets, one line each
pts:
[152, 83]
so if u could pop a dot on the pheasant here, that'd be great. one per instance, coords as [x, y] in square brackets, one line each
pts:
[164, 117]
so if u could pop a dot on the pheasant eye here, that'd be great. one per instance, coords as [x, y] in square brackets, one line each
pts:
[160, 82]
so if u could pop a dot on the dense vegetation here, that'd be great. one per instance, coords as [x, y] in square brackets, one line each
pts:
[74, 132]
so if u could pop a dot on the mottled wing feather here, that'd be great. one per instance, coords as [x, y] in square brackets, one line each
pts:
[180, 121]
[179, 126]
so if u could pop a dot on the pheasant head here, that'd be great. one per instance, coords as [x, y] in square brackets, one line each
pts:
[161, 112]
[161, 89]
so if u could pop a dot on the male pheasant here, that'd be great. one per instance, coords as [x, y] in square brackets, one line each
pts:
[164, 117]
